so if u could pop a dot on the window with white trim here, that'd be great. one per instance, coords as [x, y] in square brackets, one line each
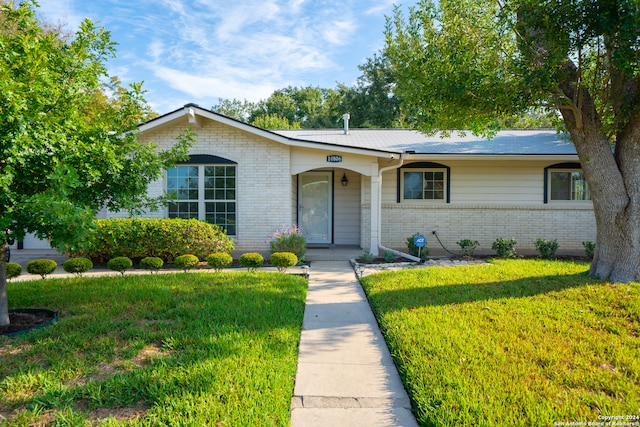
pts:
[424, 184]
[206, 192]
[568, 185]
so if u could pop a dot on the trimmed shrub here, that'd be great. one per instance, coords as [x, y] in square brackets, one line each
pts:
[77, 266]
[138, 238]
[152, 263]
[423, 252]
[120, 264]
[13, 270]
[251, 260]
[589, 249]
[219, 260]
[389, 256]
[283, 260]
[505, 248]
[366, 257]
[289, 239]
[468, 247]
[546, 248]
[186, 262]
[42, 267]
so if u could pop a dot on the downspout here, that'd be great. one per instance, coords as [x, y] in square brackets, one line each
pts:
[403, 156]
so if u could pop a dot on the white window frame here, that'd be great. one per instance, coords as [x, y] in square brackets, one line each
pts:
[202, 201]
[551, 171]
[422, 171]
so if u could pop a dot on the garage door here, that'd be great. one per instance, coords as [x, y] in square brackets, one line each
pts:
[32, 242]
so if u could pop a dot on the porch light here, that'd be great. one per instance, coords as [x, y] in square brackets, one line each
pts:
[344, 180]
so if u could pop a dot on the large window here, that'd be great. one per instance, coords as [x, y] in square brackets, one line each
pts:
[565, 182]
[424, 184]
[205, 192]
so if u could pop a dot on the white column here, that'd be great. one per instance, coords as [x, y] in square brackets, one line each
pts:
[375, 209]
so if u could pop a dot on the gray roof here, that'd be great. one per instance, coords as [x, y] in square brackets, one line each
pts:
[507, 142]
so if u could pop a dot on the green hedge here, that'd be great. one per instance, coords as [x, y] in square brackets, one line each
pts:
[137, 238]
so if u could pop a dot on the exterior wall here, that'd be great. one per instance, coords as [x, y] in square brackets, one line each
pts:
[346, 222]
[263, 178]
[489, 200]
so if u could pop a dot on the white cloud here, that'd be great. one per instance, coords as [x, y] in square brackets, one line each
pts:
[382, 7]
[338, 33]
[203, 87]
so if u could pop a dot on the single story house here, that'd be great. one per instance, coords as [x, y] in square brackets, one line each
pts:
[373, 188]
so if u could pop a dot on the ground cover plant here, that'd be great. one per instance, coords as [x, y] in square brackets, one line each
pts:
[169, 349]
[513, 342]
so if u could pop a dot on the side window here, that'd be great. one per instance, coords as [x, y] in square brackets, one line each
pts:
[423, 181]
[565, 182]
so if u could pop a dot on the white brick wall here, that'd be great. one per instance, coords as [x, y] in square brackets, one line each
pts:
[263, 183]
[485, 223]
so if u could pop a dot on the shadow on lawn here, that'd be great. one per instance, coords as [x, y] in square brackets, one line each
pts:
[191, 327]
[470, 293]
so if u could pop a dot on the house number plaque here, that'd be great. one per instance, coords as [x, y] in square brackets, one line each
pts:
[334, 158]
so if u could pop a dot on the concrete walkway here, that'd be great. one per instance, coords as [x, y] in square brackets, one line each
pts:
[346, 376]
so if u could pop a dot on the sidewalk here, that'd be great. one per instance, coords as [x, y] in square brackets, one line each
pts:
[346, 376]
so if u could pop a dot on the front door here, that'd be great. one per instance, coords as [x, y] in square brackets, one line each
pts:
[315, 211]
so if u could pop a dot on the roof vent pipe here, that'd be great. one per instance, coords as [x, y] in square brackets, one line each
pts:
[346, 118]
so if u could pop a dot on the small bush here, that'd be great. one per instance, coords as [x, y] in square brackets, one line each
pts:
[423, 252]
[219, 260]
[589, 249]
[120, 264]
[468, 247]
[13, 270]
[289, 239]
[283, 260]
[546, 248]
[366, 257]
[389, 256]
[505, 248]
[151, 263]
[42, 267]
[251, 260]
[186, 262]
[77, 266]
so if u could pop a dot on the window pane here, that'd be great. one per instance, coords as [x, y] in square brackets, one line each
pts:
[183, 210]
[569, 185]
[579, 188]
[433, 185]
[183, 181]
[413, 185]
[222, 214]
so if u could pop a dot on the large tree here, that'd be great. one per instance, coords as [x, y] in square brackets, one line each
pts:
[66, 146]
[465, 64]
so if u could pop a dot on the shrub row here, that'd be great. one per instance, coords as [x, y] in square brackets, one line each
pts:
[138, 238]
[505, 248]
[216, 260]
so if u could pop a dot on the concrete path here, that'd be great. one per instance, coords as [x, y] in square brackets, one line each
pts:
[346, 376]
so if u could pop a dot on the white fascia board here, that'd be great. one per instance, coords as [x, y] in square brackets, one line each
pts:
[480, 157]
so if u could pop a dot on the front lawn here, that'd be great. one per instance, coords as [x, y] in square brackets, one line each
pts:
[170, 349]
[512, 343]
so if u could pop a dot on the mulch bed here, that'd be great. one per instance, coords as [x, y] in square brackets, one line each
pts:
[24, 320]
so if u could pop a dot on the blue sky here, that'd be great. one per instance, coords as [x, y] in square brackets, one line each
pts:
[202, 50]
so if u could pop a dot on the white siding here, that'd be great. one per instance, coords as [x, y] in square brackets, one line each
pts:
[489, 199]
[346, 222]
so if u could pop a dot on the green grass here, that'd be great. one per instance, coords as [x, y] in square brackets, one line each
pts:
[512, 343]
[152, 350]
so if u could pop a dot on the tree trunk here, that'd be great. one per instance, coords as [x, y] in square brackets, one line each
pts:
[615, 193]
[4, 306]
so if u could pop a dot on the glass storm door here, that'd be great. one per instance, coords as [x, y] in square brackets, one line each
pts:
[314, 206]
